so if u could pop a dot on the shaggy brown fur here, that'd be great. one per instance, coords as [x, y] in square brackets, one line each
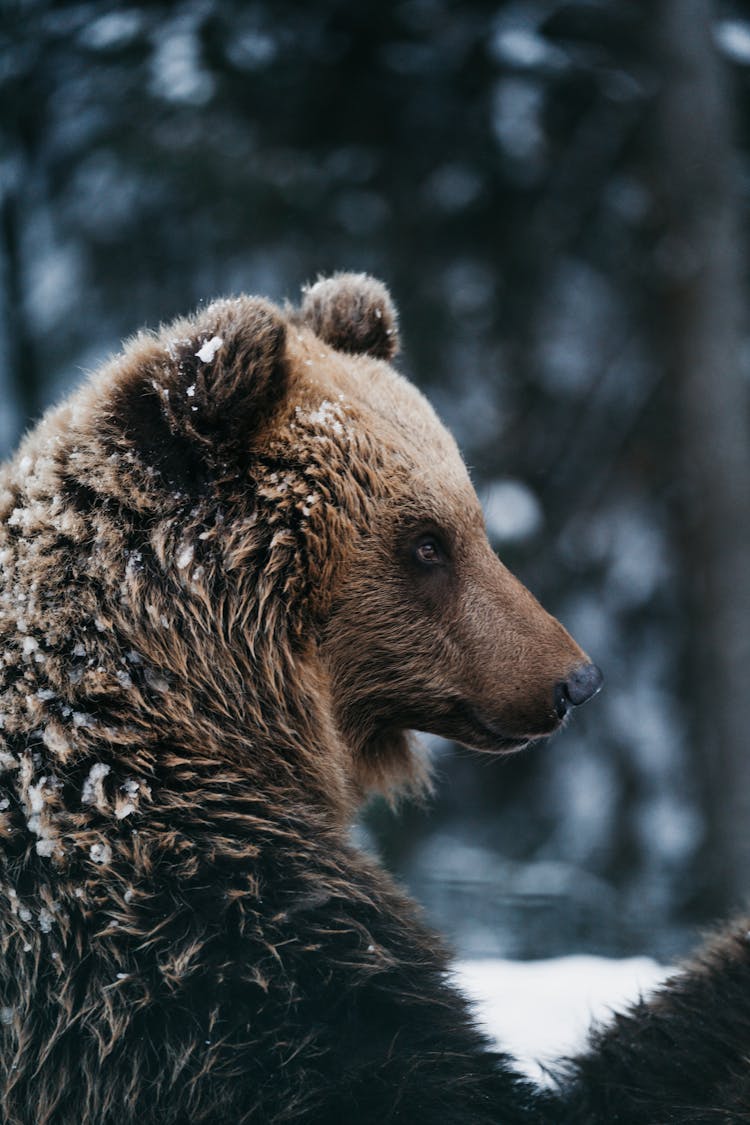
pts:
[681, 1058]
[236, 566]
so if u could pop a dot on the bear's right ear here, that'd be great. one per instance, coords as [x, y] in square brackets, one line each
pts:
[204, 387]
[354, 313]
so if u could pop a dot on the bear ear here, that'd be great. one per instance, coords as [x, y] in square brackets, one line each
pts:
[230, 366]
[202, 389]
[353, 313]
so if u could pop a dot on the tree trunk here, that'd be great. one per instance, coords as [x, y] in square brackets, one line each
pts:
[699, 320]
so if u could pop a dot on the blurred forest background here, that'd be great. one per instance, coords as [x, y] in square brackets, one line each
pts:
[557, 194]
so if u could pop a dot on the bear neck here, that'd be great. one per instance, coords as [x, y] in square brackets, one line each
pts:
[205, 766]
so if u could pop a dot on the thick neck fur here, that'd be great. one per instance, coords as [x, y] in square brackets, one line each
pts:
[157, 681]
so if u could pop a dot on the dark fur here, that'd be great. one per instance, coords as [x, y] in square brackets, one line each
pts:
[680, 1058]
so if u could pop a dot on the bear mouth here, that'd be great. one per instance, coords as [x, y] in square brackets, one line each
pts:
[477, 731]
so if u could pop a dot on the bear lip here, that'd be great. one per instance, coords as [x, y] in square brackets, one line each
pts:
[495, 737]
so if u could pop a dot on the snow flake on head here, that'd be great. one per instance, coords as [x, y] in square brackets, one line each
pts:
[329, 415]
[101, 853]
[208, 351]
[174, 345]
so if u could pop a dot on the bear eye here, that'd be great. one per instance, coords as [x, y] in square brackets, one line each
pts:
[429, 552]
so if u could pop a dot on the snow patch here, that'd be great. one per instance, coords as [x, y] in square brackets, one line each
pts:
[45, 920]
[100, 853]
[35, 796]
[93, 787]
[540, 1011]
[54, 740]
[328, 414]
[207, 353]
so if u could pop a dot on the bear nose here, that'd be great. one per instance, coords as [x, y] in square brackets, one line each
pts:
[583, 682]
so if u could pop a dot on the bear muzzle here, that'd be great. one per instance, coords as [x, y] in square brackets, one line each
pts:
[515, 725]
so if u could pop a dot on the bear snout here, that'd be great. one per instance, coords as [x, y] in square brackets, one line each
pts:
[581, 685]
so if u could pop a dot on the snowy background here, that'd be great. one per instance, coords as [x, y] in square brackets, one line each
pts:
[556, 192]
[541, 1012]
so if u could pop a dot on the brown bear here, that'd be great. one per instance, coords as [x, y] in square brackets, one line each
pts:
[680, 1058]
[238, 565]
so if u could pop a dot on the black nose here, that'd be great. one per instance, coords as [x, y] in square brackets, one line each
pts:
[583, 682]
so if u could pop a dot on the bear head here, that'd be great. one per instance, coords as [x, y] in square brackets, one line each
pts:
[249, 539]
